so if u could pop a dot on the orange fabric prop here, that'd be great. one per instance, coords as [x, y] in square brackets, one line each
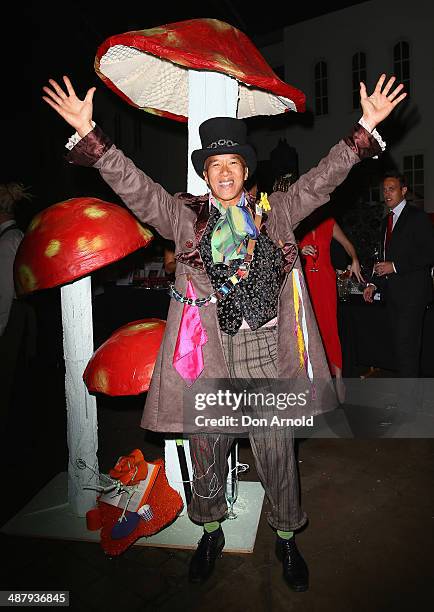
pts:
[130, 469]
[166, 504]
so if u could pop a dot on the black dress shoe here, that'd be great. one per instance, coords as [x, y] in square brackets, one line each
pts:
[295, 570]
[207, 551]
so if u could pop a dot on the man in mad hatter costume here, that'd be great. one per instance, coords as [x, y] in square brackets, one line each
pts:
[240, 307]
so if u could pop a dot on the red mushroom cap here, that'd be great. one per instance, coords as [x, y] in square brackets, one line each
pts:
[148, 68]
[73, 238]
[124, 364]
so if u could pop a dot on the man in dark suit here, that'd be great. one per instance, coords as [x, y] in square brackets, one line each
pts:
[404, 276]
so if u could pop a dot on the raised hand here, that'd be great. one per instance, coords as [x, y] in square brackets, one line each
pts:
[382, 101]
[76, 112]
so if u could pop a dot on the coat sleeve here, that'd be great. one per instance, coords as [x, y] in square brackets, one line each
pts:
[148, 200]
[313, 189]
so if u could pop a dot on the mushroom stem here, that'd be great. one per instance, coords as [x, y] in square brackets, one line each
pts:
[210, 94]
[82, 427]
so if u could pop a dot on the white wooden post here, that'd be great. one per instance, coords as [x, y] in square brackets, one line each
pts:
[211, 94]
[82, 427]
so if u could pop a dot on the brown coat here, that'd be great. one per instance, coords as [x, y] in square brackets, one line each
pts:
[182, 218]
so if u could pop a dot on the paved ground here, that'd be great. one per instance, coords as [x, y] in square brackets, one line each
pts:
[369, 542]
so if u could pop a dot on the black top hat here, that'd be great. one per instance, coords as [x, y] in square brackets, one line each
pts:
[220, 135]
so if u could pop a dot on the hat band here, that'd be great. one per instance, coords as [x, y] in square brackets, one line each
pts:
[222, 143]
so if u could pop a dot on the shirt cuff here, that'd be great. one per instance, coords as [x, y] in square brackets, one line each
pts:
[76, 138]
[374, 133]
[394, 269]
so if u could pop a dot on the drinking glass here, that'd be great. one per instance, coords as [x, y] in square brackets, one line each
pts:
[231, 493]
[377, 257]
[314, 258]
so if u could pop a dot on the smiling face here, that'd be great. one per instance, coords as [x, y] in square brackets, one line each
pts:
[225, 175]
[393, 192]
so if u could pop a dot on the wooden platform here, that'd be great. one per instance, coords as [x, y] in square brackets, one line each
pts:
[48, 515]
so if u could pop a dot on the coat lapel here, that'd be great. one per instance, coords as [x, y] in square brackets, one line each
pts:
[200, 207]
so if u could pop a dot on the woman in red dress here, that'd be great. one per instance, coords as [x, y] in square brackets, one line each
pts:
[321, 280]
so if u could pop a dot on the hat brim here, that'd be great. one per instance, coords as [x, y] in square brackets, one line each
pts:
[246, 151]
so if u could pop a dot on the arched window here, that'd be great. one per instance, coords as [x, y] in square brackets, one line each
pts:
[321, 89]
[401, 64]
[358, 74]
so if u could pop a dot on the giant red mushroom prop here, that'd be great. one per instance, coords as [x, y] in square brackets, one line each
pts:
[62, 246]
[149, 68]
[194, 70]
[123, 364]
[71, 239]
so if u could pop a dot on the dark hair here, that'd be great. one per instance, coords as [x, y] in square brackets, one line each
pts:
[12, 194]
[396, 175]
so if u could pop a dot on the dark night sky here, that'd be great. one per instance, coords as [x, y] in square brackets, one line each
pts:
[104, 20]
[237, 12]
[48, 39]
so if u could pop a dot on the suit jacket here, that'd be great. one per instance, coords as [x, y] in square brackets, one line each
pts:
[411, 248]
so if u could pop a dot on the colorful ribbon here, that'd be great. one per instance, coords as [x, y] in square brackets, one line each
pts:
[301, 325]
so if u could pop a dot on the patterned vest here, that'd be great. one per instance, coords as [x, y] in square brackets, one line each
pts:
[253, 299]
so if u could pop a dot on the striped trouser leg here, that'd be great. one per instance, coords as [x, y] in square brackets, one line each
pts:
[209, 454]
[253, 355]
[276, 465]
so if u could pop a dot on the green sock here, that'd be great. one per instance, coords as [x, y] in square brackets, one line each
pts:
[210, 527]
[285, 535]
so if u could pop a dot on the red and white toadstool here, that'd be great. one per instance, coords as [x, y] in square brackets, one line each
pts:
[193, 70]
[62, 246]
[123, 364]
[74, 238]
[149, 68]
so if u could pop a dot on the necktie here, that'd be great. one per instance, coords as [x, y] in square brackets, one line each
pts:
[389, 228]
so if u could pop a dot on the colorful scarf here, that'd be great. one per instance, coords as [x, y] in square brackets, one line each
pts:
[230, 231]
[192, 336]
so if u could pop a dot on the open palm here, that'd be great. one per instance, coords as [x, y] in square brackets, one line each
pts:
[382, 101]
[76, 112]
